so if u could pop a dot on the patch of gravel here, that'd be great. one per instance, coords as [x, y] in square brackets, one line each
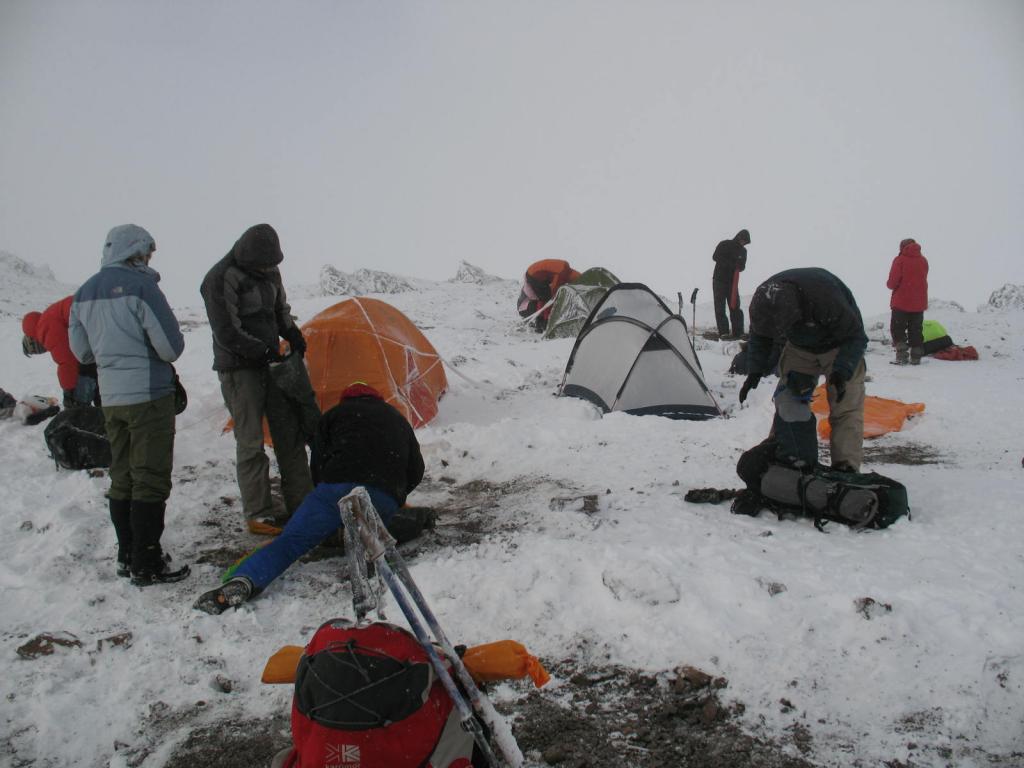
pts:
[233, 744]
[610, 717]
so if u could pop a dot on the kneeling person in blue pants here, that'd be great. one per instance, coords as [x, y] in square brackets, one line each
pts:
[361, 441]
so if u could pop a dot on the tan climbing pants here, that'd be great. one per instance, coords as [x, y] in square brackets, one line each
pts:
[847, 417]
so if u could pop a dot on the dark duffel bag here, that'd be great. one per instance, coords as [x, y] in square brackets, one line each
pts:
[77, 438]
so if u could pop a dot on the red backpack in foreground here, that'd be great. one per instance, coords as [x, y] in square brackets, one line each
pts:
[366, 696]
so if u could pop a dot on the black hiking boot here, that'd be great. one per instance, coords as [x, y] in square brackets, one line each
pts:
[747, 503]
[149, 563]
[231, 594]
[160, 574]
[121, 517]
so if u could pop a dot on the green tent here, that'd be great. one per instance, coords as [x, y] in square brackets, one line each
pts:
[574, 301]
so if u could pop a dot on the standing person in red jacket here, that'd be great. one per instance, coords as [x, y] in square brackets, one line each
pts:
[908, 281]
[47, 331]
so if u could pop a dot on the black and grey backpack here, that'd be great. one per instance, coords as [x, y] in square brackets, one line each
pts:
[860, 500]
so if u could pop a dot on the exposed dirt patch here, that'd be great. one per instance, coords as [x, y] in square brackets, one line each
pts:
[611, 717]
[908, 454]
[233, 744]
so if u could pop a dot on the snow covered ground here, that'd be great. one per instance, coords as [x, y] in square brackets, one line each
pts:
[648, 581]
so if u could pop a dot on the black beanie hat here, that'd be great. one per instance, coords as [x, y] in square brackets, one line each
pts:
[743, 236]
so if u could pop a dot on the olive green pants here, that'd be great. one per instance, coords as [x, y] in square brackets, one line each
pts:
[846, 417]
[250, 395]
[142, 449]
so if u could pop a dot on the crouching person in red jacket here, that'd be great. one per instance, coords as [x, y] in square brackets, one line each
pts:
[362, 441]
[908, 281]
[47, 331]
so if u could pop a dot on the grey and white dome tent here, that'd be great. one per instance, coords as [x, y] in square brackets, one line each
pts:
[635, 355]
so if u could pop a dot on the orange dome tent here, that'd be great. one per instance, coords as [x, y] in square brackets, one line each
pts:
[367, 340]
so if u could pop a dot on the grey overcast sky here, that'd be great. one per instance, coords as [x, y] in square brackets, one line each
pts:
[408, 135]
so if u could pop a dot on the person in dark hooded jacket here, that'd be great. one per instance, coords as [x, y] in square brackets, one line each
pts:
[730, 259]
[249, 314]
[908, 281]
[816, 315]
[362, 441]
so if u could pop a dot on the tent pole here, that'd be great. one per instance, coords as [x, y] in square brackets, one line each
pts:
[693, 325]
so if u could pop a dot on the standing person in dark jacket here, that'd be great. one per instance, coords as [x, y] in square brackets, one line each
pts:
[730, 259]
[47, 331]
[361, 441]
[249, 314]
[908, 281]
[817, 316]
[121, 322]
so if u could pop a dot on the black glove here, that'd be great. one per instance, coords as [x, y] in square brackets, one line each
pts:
[751, 383]
[69, 399]
[837, 381]
[297, 342]
[272, 355]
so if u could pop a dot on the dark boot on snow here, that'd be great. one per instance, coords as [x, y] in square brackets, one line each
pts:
[121, 517]
[748, 503]
[149, 564]
[230, 594]
[902, 354]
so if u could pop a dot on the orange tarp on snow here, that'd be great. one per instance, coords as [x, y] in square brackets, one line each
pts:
[367, 340]
[881, 415]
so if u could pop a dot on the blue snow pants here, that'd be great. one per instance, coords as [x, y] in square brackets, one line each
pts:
[316, 518]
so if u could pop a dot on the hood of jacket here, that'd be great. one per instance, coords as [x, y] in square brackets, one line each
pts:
[774, 309]
[911, 249]
[29, 323]
[259, 247]
[125, 242]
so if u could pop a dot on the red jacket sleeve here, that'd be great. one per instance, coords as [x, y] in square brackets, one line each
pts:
[895, 273]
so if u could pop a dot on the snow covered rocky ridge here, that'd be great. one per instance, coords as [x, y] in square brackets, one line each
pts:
[931, 676]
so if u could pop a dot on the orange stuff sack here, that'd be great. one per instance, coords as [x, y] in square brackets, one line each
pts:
[282, 665]
[503, 660]
[368, 340]
[881, 415]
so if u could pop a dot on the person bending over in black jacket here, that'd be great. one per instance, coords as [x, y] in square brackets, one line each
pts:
[362, 441]
[816, 315]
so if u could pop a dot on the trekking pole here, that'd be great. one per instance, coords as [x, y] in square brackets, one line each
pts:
[364, 597]
[379, 546]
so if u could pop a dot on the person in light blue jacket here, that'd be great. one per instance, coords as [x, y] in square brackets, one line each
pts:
[121, 321]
